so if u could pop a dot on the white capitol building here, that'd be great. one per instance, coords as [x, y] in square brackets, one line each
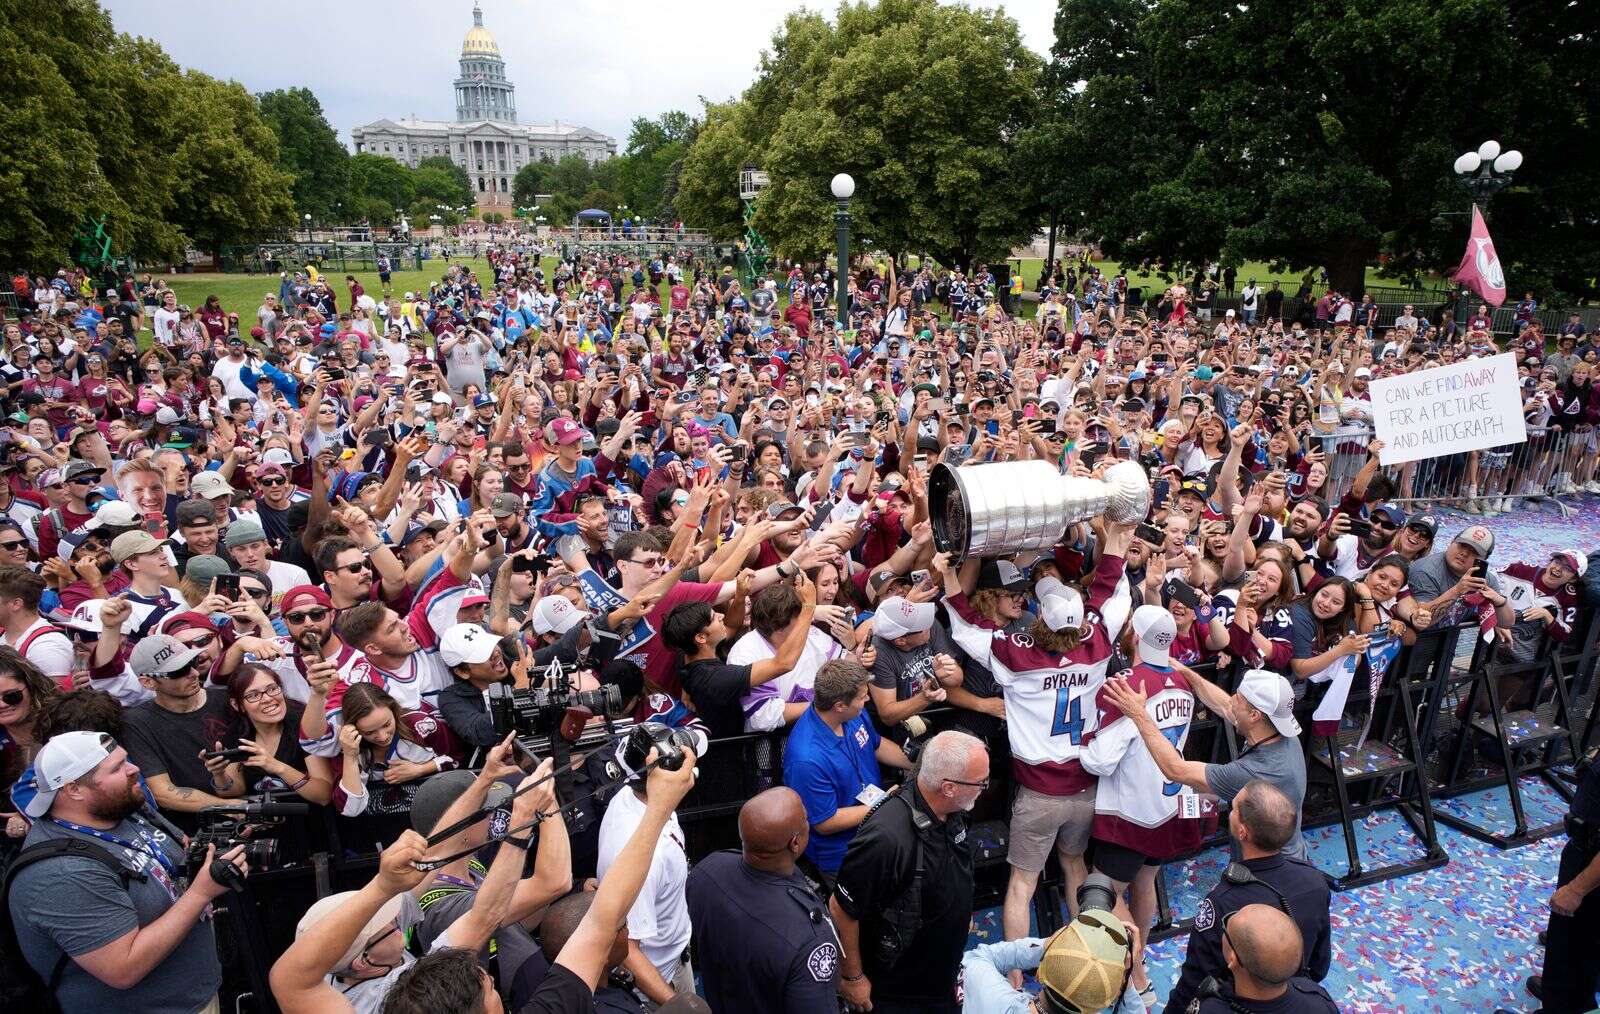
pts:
[485, 138]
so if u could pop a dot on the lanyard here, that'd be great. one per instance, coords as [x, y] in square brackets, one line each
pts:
[146, 844]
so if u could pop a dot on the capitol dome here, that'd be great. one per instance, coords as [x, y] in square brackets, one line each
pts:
[478, 41]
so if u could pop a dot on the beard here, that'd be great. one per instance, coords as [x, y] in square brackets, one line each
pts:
[117, 806]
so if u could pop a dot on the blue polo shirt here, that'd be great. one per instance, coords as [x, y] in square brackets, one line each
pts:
[828, 772]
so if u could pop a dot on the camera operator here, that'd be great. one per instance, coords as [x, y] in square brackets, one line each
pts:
[110, 926]
[1080, 968]
[658, 921]
[350, 954]
[903, 902]
[511, 954]
[1260, 823]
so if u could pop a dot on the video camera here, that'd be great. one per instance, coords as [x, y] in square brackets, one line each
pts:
[543, 711]
[232, 824]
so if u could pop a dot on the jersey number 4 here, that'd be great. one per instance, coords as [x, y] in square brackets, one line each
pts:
[1069, 716]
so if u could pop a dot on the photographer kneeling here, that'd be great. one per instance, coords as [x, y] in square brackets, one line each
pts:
[109, 925]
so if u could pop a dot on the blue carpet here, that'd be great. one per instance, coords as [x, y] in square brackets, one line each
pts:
[1460, 938]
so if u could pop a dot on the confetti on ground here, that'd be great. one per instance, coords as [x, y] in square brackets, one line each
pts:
[1459, 938]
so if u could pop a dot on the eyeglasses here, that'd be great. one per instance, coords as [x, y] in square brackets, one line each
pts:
[647, 563]
[310, 615]
[203, 641]
[977, 785]
[380, 938]
[12, 698]
[272, 480]
[255, 593]
[257, 696]
[14, 545]
[526, 466]
[84, 480]
[359, 567]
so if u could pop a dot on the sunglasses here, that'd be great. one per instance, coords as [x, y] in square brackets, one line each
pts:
[203, 641]
[255, 593]
[185, 672]
[310, 615]
[359, 567]
[12, 698]
[273, 480]
[13, 545]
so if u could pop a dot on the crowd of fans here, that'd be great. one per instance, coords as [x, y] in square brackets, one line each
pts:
[301, 548]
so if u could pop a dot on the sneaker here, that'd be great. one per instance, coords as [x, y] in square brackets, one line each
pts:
[1472, 507]
[1592, 486]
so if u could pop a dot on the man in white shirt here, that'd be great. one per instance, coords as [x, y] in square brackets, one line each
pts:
[229, 368]
[658, 922]
[165, 321]
[35, 638]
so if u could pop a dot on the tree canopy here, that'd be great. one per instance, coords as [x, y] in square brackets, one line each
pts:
[101, 124]
[1321, 133]
[921, 103]
[309, 150]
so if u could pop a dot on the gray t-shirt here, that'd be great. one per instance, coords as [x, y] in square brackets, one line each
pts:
[1430, 577]
[902, 671]
[1279, 762]
[74, 906]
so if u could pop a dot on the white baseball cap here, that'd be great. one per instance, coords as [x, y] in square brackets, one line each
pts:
[64, 758]
[1271, 695]
[555, 614]
[1154, 626]
[898, 616]
[467, 644]
[1061, 607]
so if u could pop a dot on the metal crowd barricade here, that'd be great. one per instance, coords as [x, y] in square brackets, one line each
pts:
[1531, 475]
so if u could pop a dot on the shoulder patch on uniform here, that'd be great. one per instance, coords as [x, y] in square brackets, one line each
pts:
[1206, 916]
[823, 962]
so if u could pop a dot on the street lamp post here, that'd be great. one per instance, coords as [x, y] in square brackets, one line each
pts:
[308, 226]
[843, 188]
[1486, 172]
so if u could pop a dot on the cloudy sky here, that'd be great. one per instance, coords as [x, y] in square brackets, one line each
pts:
[598, 63]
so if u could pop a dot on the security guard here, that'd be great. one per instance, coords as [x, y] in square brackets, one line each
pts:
[762, 937]
[1570, 970]
[1262, 947]
[1261, 820]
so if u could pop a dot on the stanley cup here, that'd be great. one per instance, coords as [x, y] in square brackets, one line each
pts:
[998, 509]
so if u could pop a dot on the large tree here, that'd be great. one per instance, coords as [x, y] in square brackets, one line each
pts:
[1314, 133]
[105, 126]
[308, 149]
[921, 103]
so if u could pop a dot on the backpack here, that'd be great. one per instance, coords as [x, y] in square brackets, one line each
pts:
[22, 988]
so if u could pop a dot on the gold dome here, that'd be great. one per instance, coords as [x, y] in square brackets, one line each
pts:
[478, 41]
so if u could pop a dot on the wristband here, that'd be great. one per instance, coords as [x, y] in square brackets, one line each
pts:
[852, 978]
[297, 786]
[521, 843]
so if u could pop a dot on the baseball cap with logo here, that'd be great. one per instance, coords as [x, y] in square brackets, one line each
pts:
[505, 505]
[66, 757]
[1154, 627]
[1060, 607]
[1575, 561]
[898, 616]
[161, 655]
[1271, 695]
[1002, 575]
[435, 795]
[210, 485]
[563, 431]
[130, 544]
[1424, 523]
[1477, 538]
[555, 614]
[467, 644]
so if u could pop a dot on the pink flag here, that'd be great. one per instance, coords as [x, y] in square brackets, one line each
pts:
[1480, 265]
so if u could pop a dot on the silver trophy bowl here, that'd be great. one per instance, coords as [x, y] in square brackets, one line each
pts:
[1001, 508]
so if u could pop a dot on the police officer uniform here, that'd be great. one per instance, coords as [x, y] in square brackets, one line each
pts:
[1301, 997]
[1570, 970]
[1292, 886]
[762, 941]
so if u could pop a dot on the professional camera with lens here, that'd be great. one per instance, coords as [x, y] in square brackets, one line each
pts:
[248, 823]
[668, 743]
[543, 711]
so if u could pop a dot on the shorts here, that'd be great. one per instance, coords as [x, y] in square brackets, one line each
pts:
[1040, 822]
[1119, 862]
